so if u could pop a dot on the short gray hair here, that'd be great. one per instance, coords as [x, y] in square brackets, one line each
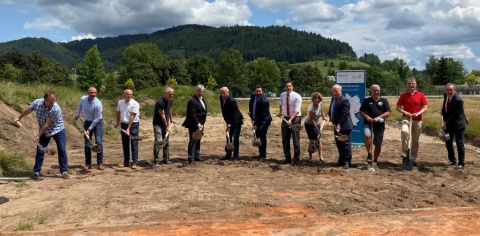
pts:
[375, 86]
[200, 87]
[224, 89]
[167, 89]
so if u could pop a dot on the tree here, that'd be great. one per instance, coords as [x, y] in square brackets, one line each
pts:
[91, 69]
[10, 73]
[370, 59]
[211, 83]
[445, 70]
[145, 64]
[179, 71]
[472, 80]
[231, 72]
[265, 72]
[398, 66]
[200, 68]
[343, 65]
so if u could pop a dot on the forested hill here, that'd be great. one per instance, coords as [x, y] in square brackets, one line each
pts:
[274, 42]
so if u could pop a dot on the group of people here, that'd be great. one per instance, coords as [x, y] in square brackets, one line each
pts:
[374, 109]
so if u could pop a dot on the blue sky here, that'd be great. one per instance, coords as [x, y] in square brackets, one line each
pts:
[408, 29]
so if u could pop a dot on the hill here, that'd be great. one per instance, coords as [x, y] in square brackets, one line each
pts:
[274, 42]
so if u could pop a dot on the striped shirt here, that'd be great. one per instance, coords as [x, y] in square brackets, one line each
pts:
[92, 109]
[43, 113]
[295, 103]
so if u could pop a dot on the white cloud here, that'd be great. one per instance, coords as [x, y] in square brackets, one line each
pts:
[85, 36]
[454, 51]
[44, 23]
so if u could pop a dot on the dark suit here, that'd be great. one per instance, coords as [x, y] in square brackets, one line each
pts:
[341, 116]
[261, 119]
[455, 121]
[196, 114]
[234, 118]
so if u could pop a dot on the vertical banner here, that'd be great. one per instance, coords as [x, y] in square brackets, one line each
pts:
[353, 88]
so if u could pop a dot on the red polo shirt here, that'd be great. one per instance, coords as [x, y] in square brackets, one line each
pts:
[412, 102]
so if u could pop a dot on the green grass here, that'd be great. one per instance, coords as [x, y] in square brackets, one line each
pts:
[27, 226]
[13, 166]
[324, 69]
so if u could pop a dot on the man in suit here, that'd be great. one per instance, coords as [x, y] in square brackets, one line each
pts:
[290, 110]
[195, 120]
[339, 112]
[454, 123]
[259, 112]
[234, 119]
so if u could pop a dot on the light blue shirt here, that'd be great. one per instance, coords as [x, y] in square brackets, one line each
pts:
[92, 110]
[43, 113]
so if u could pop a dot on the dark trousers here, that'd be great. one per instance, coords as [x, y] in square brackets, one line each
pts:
[235, 139]
[97, 133]
[128, 142]
[61, 141]
[459, 139]
[287, 133]
[344, 149]
[159, 137]
[193, 146]
[261, 133]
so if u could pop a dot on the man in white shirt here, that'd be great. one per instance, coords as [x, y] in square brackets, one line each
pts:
[290, 111]
[128, 116]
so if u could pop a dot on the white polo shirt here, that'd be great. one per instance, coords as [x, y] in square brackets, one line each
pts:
[295, 103]
[125, 109]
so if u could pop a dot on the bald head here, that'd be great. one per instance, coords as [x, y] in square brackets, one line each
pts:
[92, 93]
[336, 90]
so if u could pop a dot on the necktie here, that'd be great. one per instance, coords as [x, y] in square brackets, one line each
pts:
[254, 107]
[288, 104]
[446, 104]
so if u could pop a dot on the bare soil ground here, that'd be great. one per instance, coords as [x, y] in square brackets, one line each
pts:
[218, 197]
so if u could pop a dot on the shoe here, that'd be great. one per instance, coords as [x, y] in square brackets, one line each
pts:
[88, 166]
[346, 166]
[451, 163]
[225, 158]
[323, 161]
[262, 159]
[295, 163]
[65, 175]
[35, 175]
[133, 166]
[126, 164]
[190, 161]
[459, 167]
[414, 163]
[286, 161]
[100, 166]
[198, 159]
[157, 164]
[167, 162]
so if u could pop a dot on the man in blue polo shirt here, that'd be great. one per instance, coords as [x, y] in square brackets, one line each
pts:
[93, 125]
[50, 122]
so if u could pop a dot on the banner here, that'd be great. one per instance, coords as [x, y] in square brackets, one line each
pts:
[353, 88]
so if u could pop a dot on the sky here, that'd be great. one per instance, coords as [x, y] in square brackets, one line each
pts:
[411, 30]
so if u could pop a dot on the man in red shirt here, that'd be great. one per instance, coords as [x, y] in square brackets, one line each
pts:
[411, 103]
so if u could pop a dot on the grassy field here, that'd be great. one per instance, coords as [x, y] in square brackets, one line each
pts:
[324, 69]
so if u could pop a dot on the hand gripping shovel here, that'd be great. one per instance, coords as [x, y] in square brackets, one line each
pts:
[40, 147]
[293, 126]
[94, 147]
[130, 135]
[159, 145]
[256, 142]
[407, 162]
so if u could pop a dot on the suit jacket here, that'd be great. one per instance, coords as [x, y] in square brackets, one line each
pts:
[195, 113]
[231, 113]
[454, 117]
[341, 114]
[262, 111]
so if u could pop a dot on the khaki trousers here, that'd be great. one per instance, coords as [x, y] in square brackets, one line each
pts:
[416, 131]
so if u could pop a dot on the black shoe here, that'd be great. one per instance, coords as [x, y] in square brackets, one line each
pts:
[451, 163]
[346, 166]
[198, 160]
[190, 161]
[167, 162]
[35, 175]
[261, 159]
[225, 158]
[286, 161]
[414, 163]
[295, 163]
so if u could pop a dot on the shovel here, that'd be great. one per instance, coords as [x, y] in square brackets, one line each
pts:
[442, 134]
[255, 141]
[40, 147]
[228, 145]
[94, 147]
[294, 127]
[159, 145]
[130, 135]
[407, 162]
[370, 164]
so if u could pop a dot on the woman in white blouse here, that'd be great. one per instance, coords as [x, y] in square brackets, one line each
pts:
[312, 125]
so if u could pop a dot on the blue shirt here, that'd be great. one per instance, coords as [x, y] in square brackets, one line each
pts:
[43, 113]
[92, 109]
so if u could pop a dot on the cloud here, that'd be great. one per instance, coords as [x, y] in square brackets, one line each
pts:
[116, 17]
[454, 51]
[85, 36]
[404, 20]
[44, 23]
